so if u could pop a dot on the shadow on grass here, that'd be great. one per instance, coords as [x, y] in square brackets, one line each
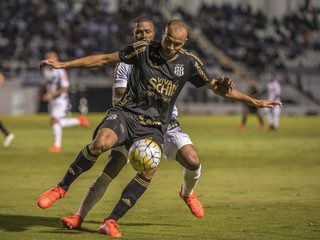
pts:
[20, 223]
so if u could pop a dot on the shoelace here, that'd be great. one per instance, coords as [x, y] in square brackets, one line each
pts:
[53, 192]
[193, 202]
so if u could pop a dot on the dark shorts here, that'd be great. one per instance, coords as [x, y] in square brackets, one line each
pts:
[250, 109]
[253, 109]
[128, 128]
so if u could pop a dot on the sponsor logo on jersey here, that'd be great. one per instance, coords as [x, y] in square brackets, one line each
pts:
[179, 70]
[162, 86]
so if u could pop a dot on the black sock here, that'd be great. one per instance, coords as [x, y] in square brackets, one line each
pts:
[3, 129]
[83, 162]
[132, 192]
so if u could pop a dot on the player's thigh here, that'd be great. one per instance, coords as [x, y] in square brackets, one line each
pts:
[174, 140]
[58, 111]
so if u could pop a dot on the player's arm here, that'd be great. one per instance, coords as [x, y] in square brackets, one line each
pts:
[85, 62]
[222, 89]
[51, 95]
[117, 94]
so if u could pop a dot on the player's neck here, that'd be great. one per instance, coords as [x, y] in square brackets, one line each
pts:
[168, 59]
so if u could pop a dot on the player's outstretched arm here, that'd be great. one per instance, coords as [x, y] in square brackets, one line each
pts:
[222, 89]
[85, 62]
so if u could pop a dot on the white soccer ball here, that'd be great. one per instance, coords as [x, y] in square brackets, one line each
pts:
[144, 155]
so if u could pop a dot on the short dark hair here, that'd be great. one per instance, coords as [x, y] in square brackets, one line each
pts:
[142, 19]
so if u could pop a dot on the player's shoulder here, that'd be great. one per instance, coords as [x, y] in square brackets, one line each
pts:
[190, 56]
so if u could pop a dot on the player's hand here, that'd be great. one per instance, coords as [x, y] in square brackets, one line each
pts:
[47, 97]
[50, 62]
[226, 82]
[268, 103]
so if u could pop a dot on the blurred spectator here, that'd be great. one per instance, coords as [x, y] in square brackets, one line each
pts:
[252, 91]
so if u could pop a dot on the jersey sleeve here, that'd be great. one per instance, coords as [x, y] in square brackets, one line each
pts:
[121, 75]
[200, 76]
[131, 53]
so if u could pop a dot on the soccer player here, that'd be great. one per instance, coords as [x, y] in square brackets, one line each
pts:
[177, 145]
[55, 92]
[8, 136]
[273, 93]
[252, 91]
[160, 70]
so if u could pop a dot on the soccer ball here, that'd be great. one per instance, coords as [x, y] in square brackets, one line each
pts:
[144, 155]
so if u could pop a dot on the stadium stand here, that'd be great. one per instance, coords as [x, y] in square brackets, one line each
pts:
[232, 40]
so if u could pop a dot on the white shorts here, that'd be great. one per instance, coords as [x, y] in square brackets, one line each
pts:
[174, 139]
[58, 110]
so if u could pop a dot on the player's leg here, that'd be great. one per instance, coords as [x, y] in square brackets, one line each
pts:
[130, 195]
[136, 187]
[104, 139]
[260, 119]
[244, 116]
[70, 122]
[178, 146]
[9, 136]
[57, 135]
[57, 112]
[276, 117]
[117, 160]
[269, 115]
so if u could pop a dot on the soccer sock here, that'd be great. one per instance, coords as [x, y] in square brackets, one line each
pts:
[69, 122]
[83, 162]
[190, 180]
[57, 134]
[4, 130]
[94, 194]
[129, 196]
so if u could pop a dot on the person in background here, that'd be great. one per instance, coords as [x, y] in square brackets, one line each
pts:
[252, 91]
[8, 135]
[55, 91]
[273, 93]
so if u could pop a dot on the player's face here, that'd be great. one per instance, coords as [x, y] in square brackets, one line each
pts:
[172, 42]
[143, 31]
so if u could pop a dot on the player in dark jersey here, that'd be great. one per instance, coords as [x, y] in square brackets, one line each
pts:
[252, 91]
[160, 70]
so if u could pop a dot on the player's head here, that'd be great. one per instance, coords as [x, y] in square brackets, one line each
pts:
[143, 29]
[52, 55]
[174, 37]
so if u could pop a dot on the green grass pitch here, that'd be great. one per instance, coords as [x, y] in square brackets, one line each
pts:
[254, 185]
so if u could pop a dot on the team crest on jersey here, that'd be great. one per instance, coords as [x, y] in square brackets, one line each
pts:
[179, 70]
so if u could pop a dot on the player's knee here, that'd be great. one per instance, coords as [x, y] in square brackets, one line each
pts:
[99, 146]
[192, 160]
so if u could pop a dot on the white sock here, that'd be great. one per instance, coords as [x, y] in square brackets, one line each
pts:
[190, 180]
[69, 122]
[94, 194]
[57, 134]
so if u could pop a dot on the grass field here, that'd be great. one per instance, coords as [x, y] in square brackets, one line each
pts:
[254, 185]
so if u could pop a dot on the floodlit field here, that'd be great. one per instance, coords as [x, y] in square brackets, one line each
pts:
[254, 185]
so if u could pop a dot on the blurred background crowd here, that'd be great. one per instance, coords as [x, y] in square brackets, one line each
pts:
[233, 38]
